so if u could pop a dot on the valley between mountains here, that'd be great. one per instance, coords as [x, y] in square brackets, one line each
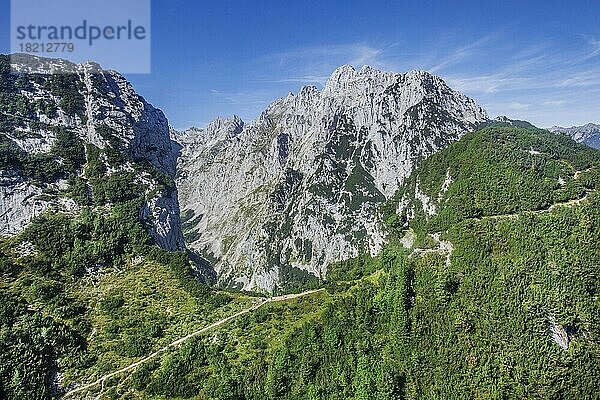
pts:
[379, 238]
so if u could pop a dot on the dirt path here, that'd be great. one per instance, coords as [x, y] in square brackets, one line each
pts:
[177, 342]
[554, 206]
[445, 248]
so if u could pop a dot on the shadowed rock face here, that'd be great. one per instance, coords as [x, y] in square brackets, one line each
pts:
[298, 188]
[95, 108]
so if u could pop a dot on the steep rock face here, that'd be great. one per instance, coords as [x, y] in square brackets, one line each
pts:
[277, 200]
[60, 131]
[588, 134]
[19, 202]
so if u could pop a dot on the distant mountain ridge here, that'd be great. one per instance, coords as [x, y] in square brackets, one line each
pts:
[504, 121]
[588, 133]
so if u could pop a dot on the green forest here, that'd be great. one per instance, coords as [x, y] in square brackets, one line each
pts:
[411, 324]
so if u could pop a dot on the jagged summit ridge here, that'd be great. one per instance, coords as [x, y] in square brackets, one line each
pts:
[346, 78]
[23, 63]
[298, 188]
[349, 87]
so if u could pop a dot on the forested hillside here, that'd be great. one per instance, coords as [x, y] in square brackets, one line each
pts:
[488, 291]
[86, 196]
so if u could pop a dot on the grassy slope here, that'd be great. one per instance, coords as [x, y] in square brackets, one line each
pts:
[212, 365]
[140, 309]
[122, 313]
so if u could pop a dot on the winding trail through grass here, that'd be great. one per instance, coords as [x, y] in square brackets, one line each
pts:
[178, 342]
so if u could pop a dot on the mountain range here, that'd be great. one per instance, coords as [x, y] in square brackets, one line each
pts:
[588, 134]
[299, 187]
[439, 253]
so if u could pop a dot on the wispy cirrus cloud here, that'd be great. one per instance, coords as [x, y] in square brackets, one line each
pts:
[314, 64]
[556, 102]
[547, 83]
[307, 79]
[581, 79]
[515, 105]
[351, 53]
[542, 81]
[241, 97]
[594, 47]
[462, 53]
[490, 83]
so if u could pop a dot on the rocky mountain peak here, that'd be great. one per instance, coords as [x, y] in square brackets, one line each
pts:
[588, 133]
[591, 127]
[342, 74]
[583, 129]
[298, 188]
[226, 127]
[346, 81]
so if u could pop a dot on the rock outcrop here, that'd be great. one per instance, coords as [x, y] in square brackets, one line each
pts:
[54, 114]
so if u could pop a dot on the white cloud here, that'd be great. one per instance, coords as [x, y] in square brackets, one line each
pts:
[462, 53]
[308, 79]
[517, 106]
[594, 47]
[486, 83]
[256, 97]
[354, 54]
[581, 79]
[555, 103]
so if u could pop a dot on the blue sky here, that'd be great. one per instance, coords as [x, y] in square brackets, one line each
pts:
[533, 60]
